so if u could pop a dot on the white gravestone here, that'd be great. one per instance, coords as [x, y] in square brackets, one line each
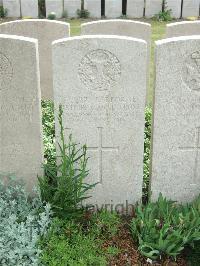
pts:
[71, 6]
[113, 8]
[153, 7]
[55, 6]
[175, 6]
[20, 118]
[94, 7]
[190, 8]
[29, 8]
[103, 93]
[135, 8]
[45, 31]
[184, 28]
[12, 7]
[176, 132]
[135, 29]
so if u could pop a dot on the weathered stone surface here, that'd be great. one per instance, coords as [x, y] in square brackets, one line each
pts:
[175, 6]
[153, 7]
[94, 7]
[176, 133]
[113, 8]
[71, 6]
[29, 8]
[13, 8]
[121, 27]
[103, 93]
[135, 8]
[46, 31]
[55, 6]
[190, 8]
[20, 117]
[184, 28]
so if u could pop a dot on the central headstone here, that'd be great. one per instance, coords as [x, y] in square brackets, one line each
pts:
[102, 92]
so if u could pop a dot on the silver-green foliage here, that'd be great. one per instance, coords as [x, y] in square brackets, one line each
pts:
[22, 222]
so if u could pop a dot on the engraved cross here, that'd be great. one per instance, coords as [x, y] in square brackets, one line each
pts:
[100, 148]
[195, 148]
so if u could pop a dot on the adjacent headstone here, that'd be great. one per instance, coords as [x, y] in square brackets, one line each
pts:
[184, 28]
[175, 6]
[176, 132]
[1, 2]
[46, 31]
[103, 93]
[55, 6]
[121, 27]
[135, 8]
[94, 7]
[12, 7]
[20, 117]
[190, 8]
[153, 7]
[29, 8]
[113, 8]
[71, 6]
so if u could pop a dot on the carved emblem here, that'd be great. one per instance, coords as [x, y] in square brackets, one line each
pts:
[6, 71]
[191, 71]
[99, 70]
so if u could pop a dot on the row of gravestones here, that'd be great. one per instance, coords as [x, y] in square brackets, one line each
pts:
[46, 31]
[113, 8]
[101, 83]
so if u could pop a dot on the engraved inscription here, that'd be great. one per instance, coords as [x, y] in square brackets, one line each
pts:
[100, 148]
[196, 149]
[191, 71]
[6, 71]
[100, 108]
[99, 70]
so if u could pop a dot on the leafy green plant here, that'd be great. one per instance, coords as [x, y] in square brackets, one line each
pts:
[63, 184]
[48, 123]
[83, 13]
[23, 220]
[105, 223]
[67, 244]
[165, 14]
[52, 16]
[147, 148]
[3, 12]
[74, 243]
[164, 228]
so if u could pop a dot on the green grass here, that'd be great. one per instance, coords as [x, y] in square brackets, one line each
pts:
[81, 243]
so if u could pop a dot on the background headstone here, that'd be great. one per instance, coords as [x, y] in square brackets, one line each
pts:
[20, 118]
[135, 8]
[103, 93]
[113, 8]
[190, 8]
[55, 6]
[13, 8]
[153, 7]
[94, 7]
[175, 6]
[45, 31]
[176, 131]
[184, 28]
[29, 8]
[71, 6]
